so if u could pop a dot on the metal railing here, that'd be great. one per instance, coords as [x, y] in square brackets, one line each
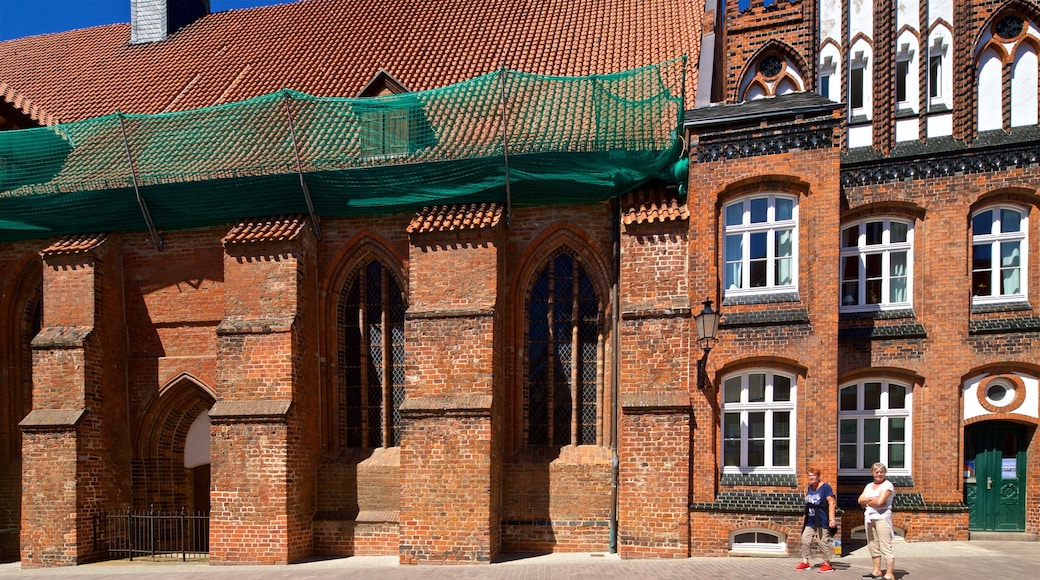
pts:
[158, 535]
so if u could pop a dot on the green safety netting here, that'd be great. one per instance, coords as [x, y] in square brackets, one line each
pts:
[506, 136]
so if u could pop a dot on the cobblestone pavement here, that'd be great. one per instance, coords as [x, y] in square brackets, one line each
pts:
[914, 561]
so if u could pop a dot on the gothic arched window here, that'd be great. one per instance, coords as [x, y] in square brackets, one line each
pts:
[563, 352]
[370, 320]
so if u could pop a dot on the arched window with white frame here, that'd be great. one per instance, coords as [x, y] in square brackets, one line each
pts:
[829, 72]
[761, 244]
[758, 422]
[998, 254]
[874, 424]
[877, 264]
[940, 81]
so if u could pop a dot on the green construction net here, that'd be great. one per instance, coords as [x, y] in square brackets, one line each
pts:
[507, 136]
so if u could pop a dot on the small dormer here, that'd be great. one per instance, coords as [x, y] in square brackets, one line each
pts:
[391, 127]
[381, 85]
[154, 20]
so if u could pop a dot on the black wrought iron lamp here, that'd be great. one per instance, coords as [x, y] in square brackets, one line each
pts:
[707, 328]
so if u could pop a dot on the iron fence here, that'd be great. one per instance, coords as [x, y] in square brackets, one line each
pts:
[157, 534]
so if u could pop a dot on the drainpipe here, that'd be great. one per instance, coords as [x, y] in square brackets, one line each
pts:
[615, 375]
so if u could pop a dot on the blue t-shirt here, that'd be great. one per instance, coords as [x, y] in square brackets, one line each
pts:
[817, 507]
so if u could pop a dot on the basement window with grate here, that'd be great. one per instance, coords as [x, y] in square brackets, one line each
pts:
[758, 541]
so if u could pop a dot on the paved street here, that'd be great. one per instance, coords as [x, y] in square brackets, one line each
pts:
[914, 561]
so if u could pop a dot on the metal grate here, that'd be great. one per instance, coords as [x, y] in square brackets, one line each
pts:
[157, 535]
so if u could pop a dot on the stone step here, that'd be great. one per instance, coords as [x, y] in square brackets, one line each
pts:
[1002, 536]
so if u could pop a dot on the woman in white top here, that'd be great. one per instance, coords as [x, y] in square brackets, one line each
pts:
[876, 500]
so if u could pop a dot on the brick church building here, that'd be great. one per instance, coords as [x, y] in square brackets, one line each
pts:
[465, 378]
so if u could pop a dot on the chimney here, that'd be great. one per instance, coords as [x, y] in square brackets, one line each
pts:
[154, 20]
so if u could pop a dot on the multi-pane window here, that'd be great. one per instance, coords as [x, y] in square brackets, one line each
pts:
[876, 262]
[998, 254]
[370, 319]
[874, 425]
[761, 244]
[563, 351]
[384, 131]
[758, 422]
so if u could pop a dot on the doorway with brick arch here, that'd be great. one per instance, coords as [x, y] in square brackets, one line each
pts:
[171, 465]
[21, 314]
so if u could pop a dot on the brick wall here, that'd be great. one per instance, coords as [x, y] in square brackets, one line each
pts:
[264, 441]
[793, 333]
[950, 351]
[787, 27]
[20, 294]
[654, 435]
[448, 460]
[79, 393]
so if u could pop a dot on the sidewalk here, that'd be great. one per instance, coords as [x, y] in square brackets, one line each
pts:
[914, 561]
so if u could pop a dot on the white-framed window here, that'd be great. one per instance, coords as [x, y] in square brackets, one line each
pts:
[860, 99]
[761, 244]
[877, 264]
[874, 425]
[938, 73]
[758, 540]
[828, 71]
[906, 77]
[758, 422]
[998, 254]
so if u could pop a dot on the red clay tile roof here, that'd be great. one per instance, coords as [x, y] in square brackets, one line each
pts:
[652, 203]
[270, 229]
[334, 48]
[74, 244]
[445, 218]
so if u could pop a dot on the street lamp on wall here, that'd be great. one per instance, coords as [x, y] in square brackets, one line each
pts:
[707, 328]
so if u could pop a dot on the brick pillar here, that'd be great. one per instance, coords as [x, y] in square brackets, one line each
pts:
[450, 464]
[264, 435]
[75, 445]
[654, 430]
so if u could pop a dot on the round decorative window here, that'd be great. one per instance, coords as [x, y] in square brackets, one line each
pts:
[1002, 393]
[771, 66]
[1009, 27]
[999, 393]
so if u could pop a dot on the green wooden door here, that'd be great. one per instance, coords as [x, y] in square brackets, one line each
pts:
[995, 469]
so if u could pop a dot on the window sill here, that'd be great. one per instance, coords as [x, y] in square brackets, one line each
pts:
[877, 313]
[861, 479]
[1011, 306]
[1004, 325]
[764, 297]
[760, 479]
[884, 332]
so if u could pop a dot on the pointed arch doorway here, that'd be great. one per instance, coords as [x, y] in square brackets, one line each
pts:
[172, 455]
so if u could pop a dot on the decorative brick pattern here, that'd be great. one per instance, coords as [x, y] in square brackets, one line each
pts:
[763, 479]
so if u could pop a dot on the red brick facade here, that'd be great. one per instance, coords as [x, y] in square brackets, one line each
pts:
[528, 379]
